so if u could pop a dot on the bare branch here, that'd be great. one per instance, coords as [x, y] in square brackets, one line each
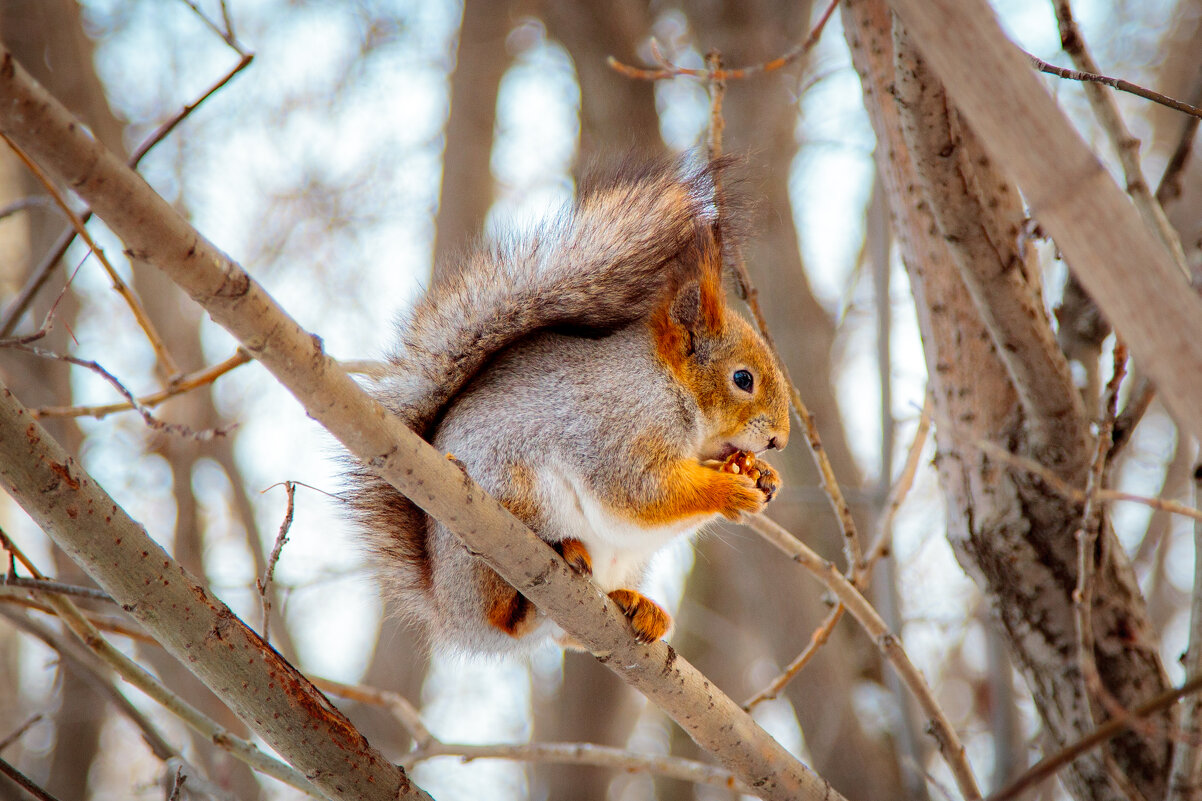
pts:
[19, 732]
[166, 363]
[265, 582]
[1048, 766]
[880, 548]
[1185, 778]
[715, 72]
[586, 754]
[182, 384]
[980, 216]
[151, 421]
[1106, 108]
[1115, 83]
[39, 275]
[27, 784]
[1121, 263]
[888, 644]
[1087, 534]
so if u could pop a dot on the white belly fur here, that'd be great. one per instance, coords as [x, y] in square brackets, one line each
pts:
[619, 548]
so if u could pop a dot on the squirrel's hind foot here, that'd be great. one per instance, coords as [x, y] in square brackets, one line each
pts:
[648, 619]
[576, 555]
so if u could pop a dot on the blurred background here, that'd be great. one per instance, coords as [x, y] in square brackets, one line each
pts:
[367, 142]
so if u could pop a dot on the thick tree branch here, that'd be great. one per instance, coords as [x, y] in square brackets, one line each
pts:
[1009, 531]
[1118, 259]
[154, 232]
[980, 216]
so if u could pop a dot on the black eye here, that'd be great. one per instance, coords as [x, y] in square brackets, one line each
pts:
[743, 380]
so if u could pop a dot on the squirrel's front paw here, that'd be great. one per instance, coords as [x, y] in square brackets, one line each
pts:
[766, 481]
[649, 621]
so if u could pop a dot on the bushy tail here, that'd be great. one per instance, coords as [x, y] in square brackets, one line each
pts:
[599, 265]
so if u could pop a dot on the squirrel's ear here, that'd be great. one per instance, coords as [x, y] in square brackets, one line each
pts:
[685, 310]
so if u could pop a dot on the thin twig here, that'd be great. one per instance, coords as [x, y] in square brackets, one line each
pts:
[41, 274]
[227, 35]
[110, 623]
[669, 70]
[1185, 773]
[889, 645]
[1069, 492]
[136, 675]
[748, 293]
[177, 784]
[185, 383]
[426, 746]
[818, 639]
[881, 546]
[586, 754]
[151, 421]
[19, 732]
[30, 202]
[879, 550]
[264, 583]
[26, 783]
[1114, 83]
[1049, 765]
[47, 585]
[170, 125]
[166, 363]
[1170, 182]
[397, 705]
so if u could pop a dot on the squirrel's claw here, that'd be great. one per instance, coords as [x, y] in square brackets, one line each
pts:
[648, 619]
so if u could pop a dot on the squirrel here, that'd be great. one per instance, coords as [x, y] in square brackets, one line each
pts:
[589, 375]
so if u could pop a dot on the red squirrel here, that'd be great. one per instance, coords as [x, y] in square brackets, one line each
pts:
[590, 375]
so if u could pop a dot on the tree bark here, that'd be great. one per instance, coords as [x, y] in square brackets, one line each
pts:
[1009, 531]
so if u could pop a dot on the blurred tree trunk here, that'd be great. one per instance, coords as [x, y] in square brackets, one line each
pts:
[617, 115]
[48, 37]
[467, 182]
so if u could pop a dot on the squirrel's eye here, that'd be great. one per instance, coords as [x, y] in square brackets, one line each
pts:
[743, 380]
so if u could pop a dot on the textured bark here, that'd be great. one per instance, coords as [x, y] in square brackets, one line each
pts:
[1012, 534]
[981, 217]
[155, 232]
[1120, 262]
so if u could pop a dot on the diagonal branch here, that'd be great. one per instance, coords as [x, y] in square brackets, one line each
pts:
[155, 232]
[1120, 262]
[981, 218]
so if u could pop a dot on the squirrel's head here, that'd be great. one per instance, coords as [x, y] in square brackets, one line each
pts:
[721, 361]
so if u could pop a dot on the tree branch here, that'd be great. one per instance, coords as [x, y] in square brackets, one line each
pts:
[981, 218]
[1119, 261]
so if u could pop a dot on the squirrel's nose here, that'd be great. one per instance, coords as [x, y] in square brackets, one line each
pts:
[774, 444]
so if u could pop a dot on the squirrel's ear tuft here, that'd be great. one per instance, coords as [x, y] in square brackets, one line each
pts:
[685, 310]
